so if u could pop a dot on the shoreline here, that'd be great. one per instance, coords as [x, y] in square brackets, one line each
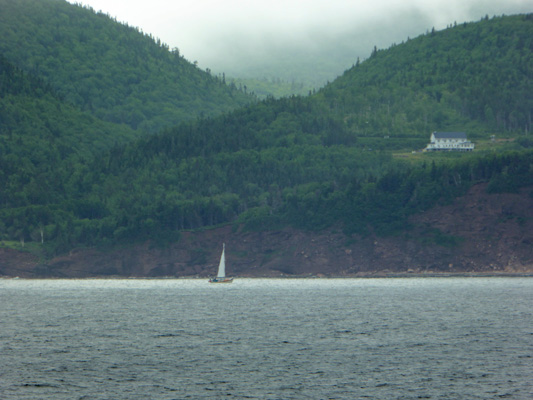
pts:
[308, 277]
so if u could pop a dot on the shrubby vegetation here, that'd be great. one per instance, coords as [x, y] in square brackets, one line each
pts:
[308, 162]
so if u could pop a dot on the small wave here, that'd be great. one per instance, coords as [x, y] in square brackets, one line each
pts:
[179, 333]
[344, 331]
[168, 335]
[40, 385]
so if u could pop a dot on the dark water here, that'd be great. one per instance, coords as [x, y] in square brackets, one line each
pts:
[447, 338]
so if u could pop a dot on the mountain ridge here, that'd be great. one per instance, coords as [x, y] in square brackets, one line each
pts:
[463, 74]
[344, 158]
[113, 70]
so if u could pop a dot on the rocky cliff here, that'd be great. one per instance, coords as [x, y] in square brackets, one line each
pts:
[479, 233]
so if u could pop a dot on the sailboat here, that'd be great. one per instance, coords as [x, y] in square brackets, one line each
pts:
[221, 275]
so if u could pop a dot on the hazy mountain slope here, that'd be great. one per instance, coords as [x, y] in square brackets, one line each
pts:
[476, 77]
[112, 70]
[299, 162]
[32, 111]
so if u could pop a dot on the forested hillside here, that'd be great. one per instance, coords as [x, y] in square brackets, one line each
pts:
[476, 77]
[33, 117]
[114, 71]
[41, 140]
[330, 159]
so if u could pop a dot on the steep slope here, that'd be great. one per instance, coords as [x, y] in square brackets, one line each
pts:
[35, 116]
[43, 141]
[110, 69]
[303, 161]
[476, 77]
[295, 163]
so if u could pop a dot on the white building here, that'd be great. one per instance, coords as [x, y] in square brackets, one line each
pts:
[449, 141]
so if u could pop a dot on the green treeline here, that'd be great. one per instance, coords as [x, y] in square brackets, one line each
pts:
[112, 70]
[72, 175]
[304, 186]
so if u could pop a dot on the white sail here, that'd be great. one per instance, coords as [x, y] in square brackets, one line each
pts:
[222, 264]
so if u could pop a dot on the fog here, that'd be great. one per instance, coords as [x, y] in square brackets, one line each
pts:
[293, 39]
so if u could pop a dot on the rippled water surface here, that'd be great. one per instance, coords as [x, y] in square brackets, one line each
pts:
[442, 338]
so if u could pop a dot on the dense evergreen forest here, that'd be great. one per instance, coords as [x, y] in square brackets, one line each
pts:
[112, 70]
[473, 76]
[340, 157]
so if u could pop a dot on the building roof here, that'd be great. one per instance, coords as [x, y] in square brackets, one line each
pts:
[449, 135]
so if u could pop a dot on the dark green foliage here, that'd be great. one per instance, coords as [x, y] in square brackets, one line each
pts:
[476, 75]
[512, 173]
[42, 139]
[33, 117]
[310, 162]
[109, 69]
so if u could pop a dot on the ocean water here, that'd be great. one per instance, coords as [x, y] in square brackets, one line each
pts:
[419, 338]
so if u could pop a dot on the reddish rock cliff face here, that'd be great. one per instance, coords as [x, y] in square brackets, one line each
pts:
[478, 233]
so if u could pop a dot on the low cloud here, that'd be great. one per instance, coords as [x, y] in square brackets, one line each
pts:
[246, 37]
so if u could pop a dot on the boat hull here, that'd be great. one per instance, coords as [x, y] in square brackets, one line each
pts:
[224, 280]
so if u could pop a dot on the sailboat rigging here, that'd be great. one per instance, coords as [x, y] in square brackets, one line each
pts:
[221, 275]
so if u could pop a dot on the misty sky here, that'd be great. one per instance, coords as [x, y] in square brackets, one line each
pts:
[278, 37]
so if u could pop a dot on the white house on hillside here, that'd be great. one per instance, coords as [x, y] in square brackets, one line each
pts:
[449, 141]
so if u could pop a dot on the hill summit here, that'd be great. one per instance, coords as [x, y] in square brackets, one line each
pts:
[112, 70]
